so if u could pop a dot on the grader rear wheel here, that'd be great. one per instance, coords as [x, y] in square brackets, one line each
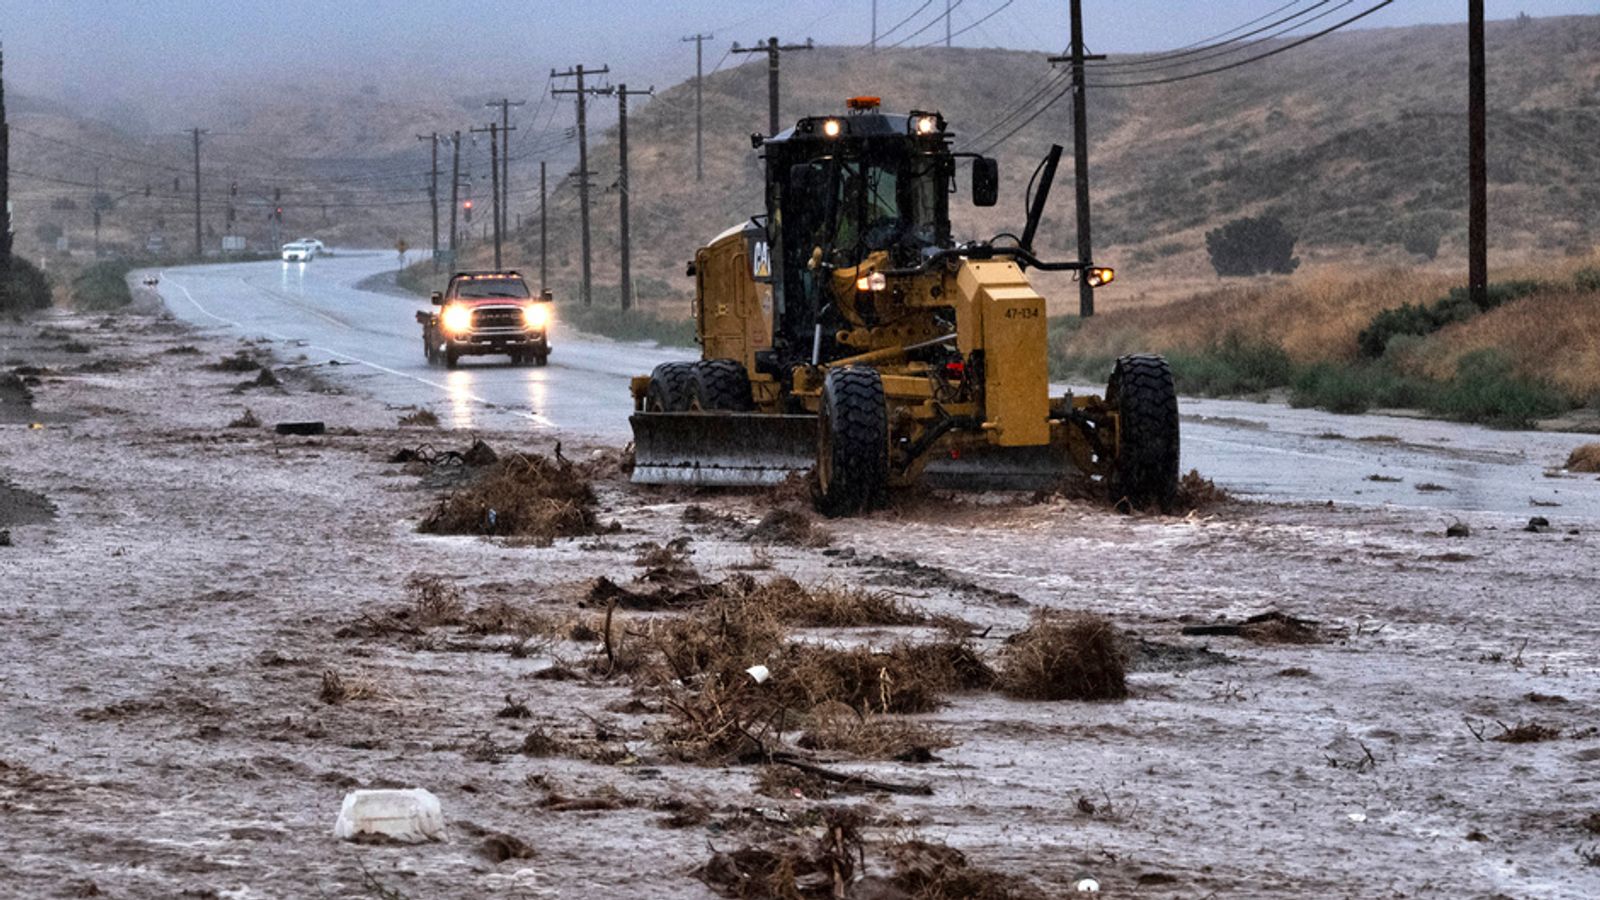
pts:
[852, 442]
[1146, 400]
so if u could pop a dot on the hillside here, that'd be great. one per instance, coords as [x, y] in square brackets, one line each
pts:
[343, 158]
[1356, 141]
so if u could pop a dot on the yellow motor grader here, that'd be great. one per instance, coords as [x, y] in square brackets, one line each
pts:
[845, 332]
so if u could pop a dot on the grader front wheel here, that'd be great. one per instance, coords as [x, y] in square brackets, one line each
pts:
[852, 442]
[1146, 400]
[720, 384]
[670, 387]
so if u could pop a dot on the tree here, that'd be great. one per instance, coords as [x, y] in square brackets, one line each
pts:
[1252, 246]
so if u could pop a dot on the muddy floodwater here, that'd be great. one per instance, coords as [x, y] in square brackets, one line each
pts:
[210, 633]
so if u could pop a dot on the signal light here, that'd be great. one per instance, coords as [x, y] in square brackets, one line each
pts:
[1100, 275]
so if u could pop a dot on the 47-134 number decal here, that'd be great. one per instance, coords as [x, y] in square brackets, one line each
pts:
[1022, 312]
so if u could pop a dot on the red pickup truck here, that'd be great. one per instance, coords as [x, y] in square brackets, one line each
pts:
[483, 313]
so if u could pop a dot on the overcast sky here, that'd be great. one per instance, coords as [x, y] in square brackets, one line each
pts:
[136, 52]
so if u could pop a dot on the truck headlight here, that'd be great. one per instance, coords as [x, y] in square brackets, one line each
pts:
[536, 316]
[456, 319]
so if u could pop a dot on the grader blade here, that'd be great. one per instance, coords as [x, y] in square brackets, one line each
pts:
[1001, 469]
[721, 449]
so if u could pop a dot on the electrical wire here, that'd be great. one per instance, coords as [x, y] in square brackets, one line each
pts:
[1171, 79]
[931, 22]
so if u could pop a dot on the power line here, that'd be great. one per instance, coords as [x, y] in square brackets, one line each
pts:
[1224, 49]
[1215, 40]
[1257, 58]
[898, 25]
[930, 23]
[1169, 80]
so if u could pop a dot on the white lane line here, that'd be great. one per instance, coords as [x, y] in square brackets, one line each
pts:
[536, 418]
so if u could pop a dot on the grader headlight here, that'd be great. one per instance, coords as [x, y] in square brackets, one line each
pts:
[832, 128]
[872, 281]
[925, 124]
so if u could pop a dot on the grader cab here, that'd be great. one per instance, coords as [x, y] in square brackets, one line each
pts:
[845, 332]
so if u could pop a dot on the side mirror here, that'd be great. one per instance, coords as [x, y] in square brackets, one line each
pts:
[985, 181]
[547, 294]
[437, 298]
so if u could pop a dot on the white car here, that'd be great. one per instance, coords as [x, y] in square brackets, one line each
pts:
[298, 251]
[316, 246]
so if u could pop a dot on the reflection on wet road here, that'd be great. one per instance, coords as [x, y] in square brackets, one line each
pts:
[317, 309]
[1253, 449]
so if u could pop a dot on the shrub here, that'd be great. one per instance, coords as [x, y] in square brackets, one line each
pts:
[1457, 306]
[1236, 365]
[27, 288]
[1587, 279]
[633, 325]
[1486, 390]
[1421, 241]
[1355, 388]
[1252, 246]
[103, 285]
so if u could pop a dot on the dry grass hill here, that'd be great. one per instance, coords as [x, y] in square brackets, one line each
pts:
[1356, 141]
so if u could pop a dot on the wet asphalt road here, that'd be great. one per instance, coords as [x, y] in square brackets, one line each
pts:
[1262, 450]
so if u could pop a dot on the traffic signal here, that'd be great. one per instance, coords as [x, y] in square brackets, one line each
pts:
[467, 205]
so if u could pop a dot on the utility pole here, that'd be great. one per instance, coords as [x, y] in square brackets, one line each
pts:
[543, 220]
[277, 217]
[947, 24]
[699, 122]
[874, 45]
[505, 158]
[1080, 156]
[1477, 162]
[622, 187]
[433, 192]
[199, 248]
[455, 184]
[773, 50]
[494, 184]
[5, 191]
[583, 160]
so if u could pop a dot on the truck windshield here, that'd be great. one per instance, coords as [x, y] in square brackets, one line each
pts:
[481, 288]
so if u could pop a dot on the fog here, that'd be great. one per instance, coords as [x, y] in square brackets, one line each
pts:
[164, 64]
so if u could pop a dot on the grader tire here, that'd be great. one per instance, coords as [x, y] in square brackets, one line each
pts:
[852, 442]
[670, 386]
[720, 384]
[1146, 400]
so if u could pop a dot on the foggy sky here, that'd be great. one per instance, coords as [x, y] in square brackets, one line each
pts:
[154, 57]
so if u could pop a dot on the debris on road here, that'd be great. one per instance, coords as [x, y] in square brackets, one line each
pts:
[301, 428]
[1267, 628]
[1584, 459]
[403, 816]
[1076, 656]
[522, 495]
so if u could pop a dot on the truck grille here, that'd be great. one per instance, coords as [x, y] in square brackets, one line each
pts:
[497, 318]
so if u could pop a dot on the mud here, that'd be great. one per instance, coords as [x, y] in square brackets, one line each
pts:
[202, 651]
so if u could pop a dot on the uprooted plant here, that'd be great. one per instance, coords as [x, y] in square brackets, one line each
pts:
[1065, 657]
[521, 495]
[832, 859]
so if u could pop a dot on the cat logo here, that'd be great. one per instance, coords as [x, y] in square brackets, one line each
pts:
[761, 261]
